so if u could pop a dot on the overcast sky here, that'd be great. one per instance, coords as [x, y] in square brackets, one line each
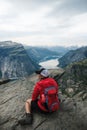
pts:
[44, 22]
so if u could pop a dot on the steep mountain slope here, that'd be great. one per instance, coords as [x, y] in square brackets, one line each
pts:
[39, 54]
[14, 61]
[71, 116]
[73, 56]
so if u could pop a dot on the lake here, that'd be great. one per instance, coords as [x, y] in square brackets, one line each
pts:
[50, 64]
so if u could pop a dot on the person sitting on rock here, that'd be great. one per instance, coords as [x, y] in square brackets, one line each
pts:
[44, 97]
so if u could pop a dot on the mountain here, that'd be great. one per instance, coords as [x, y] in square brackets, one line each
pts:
[61, 49]
[73, 56]
[14, 61]
[74, 80]
[39, 54]
[71, 116]
[44, 53]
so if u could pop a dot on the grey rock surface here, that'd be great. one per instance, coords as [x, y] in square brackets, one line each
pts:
[71, 116]
[14, 61]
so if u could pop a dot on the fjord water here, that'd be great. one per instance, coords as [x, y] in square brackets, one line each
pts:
[50, 64]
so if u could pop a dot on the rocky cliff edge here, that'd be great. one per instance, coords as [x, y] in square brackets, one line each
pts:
[71, 116]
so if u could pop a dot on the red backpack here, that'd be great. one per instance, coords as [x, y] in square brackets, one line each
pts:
[50, 99]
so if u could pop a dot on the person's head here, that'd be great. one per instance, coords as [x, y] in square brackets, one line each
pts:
[42, 73]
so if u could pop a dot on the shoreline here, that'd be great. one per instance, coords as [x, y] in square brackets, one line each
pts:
[50, 64]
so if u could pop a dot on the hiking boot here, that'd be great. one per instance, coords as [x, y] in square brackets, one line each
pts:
[26, 121]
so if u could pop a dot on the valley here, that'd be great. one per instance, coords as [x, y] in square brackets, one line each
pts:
[70, 72]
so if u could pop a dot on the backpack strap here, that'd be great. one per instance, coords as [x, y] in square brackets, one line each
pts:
[49, 88]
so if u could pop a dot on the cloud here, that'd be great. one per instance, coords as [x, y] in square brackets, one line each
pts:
[47, 22]
[69, 8]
